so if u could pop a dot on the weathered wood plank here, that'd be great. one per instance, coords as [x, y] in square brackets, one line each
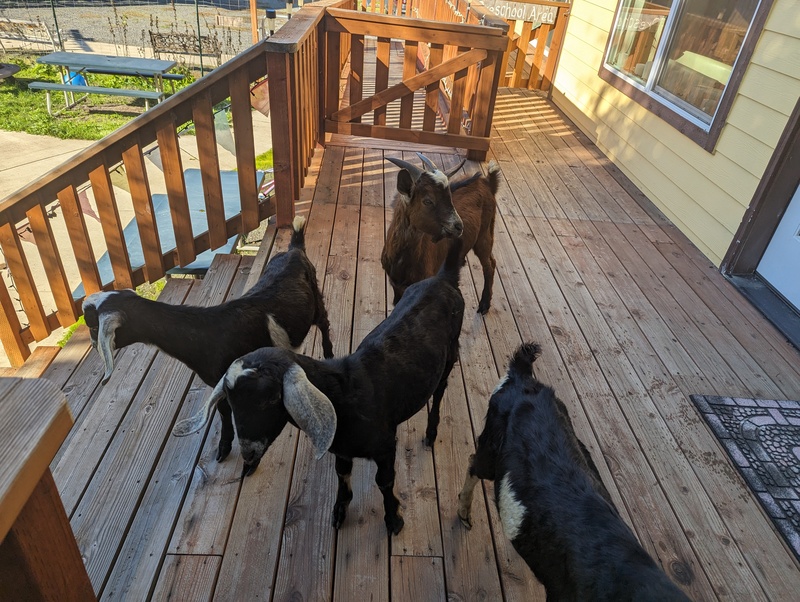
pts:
[39, 361]
[94, 428]
[146, 541]
[189, 578]
[418, 579]
[107, 509]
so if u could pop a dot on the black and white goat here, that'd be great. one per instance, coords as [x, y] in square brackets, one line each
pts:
[553, 505]
[430, 208]
[351, 406]
[278, 310]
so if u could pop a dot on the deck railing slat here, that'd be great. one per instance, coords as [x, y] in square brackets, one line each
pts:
[79, 239]
[53, 266]
[139, 186]
[10, 330]
[112, 227]
[208, 156]
[245, 149]
[23, 281]
[176, 191]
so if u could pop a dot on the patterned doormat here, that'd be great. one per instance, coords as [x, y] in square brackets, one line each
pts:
[762, 438]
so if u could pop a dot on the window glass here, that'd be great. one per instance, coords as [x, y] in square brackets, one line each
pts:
[681, 51]
[708, 37]
[636, 36]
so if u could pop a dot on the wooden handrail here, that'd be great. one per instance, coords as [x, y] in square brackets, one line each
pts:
[27, 208]
[306, 60]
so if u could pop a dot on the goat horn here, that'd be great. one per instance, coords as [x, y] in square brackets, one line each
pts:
[453, 171]
[196, 422]
[108, 324]
[429, 165]
[415, 171]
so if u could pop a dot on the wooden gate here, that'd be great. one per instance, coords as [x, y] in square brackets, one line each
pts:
[536, 29]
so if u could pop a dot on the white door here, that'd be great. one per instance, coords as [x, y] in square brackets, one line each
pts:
[780, 265]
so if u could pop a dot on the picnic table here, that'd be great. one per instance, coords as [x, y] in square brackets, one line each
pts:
[76, 65]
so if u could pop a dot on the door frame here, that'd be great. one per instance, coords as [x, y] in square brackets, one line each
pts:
[770, 200]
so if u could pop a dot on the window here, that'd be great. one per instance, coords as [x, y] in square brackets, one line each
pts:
[678, 57]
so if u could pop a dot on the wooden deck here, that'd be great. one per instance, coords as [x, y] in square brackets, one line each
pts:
[632, 319]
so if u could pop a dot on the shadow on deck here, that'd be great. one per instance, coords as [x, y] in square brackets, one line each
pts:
[631, 317]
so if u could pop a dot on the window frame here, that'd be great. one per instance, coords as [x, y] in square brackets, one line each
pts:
[672, 113]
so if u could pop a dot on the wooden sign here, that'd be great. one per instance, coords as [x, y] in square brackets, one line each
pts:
[535, 13]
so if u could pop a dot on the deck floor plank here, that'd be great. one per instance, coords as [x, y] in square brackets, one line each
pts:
[632, 319]
[189, 578]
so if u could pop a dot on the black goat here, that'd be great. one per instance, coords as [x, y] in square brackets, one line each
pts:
[554, 507]
[278, 310]
[352, 406]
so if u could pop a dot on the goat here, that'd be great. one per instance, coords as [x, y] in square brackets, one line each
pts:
[429, 208]
[351, 406]
[553, 505]
[278, 310]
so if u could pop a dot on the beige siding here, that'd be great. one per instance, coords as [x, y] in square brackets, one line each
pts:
[704, 193]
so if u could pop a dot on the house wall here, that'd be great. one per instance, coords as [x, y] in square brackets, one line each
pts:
[704, 194]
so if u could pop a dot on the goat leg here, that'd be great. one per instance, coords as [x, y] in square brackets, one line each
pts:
[465, 496]
[226, 434]
[433, 414]
[325, 329]
[384, 478]
[483, 249]
[344, 466]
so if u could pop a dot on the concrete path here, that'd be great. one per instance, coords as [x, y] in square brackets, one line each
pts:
[25, 157]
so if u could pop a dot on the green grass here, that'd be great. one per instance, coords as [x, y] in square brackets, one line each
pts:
[24, 110]
[69, 331]
[264, 160]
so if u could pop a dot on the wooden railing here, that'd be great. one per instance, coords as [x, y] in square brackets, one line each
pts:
[40, 267]
[306, 60]
[535, 33]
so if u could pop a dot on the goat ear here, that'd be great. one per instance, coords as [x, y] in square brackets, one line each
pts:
[107, 327]
[405, 184]
[199, 420]
[310, 408]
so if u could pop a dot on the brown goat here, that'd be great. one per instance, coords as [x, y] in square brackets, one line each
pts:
[430, 208]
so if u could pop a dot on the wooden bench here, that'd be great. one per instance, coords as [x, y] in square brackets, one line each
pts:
[48, 87]
[27, 34]
[39, 557]
[185, 44]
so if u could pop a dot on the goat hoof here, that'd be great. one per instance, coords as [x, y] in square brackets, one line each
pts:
[429, 441]
[394, 524]
[483, 308]
[339, 514]
[466, 521]
[223, 451]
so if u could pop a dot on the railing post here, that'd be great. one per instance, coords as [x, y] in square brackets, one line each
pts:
[280, 95]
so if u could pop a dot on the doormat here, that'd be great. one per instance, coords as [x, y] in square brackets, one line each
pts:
[762, 438]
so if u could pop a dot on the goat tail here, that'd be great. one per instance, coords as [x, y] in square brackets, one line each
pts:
[522, 361]
[298, 233]
[493, 176]
[452, 263]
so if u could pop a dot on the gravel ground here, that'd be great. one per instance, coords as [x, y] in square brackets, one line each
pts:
[130, 24]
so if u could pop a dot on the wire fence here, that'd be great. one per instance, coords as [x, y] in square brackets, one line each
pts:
[217, 29]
